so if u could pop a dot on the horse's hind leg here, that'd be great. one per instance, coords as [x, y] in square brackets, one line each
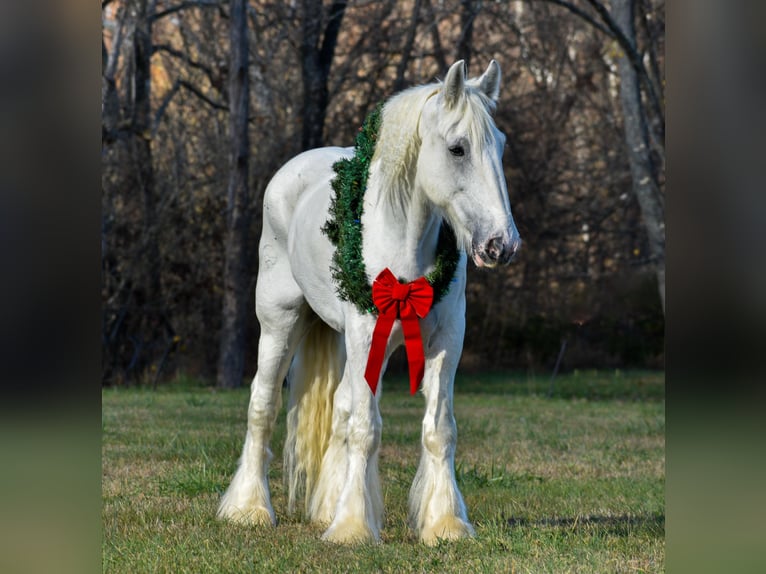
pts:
[284, 317]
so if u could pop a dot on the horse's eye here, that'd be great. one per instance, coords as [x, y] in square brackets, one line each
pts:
[457, 150]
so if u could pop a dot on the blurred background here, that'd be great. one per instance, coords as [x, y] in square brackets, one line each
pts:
[203, 100]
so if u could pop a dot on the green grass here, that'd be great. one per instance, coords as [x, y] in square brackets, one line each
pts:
[568, 483]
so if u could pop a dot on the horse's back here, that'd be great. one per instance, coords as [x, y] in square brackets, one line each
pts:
[310, 171]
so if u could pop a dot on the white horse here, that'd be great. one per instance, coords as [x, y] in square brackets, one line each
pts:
[438, 157]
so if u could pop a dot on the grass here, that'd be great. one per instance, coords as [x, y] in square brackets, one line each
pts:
[568, 483]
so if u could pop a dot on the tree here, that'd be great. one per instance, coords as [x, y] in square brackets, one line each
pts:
[620, 25]
[235, 276]
[141, 144]
[140, 296]
[468, 12]
[637, 141]
[317, 52]
[401, 68]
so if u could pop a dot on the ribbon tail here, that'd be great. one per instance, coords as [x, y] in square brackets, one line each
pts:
[378, 350]
[413, 343]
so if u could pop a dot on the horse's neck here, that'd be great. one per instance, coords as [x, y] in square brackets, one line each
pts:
[400, 237]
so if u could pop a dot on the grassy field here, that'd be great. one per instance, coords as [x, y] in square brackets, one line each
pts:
[568, 483]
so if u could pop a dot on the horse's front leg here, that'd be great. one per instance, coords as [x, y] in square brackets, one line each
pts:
[358, 515]
[437, 510]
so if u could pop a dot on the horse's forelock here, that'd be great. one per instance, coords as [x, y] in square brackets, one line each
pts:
[472, 115]
[398, 143]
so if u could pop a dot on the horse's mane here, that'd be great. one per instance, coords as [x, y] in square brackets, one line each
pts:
[398, 143]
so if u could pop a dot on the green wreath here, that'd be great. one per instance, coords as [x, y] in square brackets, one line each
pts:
[344, 228]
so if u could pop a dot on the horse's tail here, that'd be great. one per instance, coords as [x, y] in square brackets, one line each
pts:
[314, 376]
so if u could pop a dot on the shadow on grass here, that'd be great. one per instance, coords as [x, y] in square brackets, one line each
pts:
[621, 525]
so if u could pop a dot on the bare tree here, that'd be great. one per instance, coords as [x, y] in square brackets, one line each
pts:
[468, 12]
[619, 24]
[138, 324]
[235, 274]
[139, 308]
[638, 145]
[141, 146]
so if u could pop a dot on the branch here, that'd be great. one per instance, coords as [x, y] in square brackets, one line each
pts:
[337, 10]
[633, 56]
[184, 5]
[194, 90]
[251, 119]
[582, 14]
[185, 57]
[164, 105]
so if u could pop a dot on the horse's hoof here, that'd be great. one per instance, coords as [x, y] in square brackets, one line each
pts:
[258, 516]
[446, 528]
[349, 532]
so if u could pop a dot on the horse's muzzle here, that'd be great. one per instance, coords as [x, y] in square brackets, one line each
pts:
[499, 250]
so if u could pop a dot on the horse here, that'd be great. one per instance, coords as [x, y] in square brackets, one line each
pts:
[437, 165]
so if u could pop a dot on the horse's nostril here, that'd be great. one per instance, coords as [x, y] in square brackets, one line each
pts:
[495, 247]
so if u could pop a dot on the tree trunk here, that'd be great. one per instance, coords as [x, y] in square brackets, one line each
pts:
[401, 68]
[150, 289]
[637, 142]
[468, 12]
[235, 278]
[316, 60]
[110, 103]
[433, 26]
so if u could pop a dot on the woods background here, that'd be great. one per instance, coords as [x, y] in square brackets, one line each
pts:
[203, 100]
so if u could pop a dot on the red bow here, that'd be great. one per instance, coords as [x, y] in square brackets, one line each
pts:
[405, 301]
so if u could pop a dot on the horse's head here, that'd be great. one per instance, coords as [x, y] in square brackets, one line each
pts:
[460, 164]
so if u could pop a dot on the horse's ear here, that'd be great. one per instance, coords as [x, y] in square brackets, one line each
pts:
[454, 83]
[489, 82]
